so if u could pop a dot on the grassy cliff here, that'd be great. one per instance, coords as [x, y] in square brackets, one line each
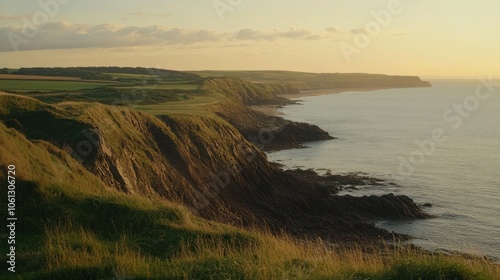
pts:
[317, 81]
[74, 225]
[107, 192]
[267, 132]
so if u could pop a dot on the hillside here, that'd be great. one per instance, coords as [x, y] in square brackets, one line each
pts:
[107, 191]
[267, 132]
[106, 73]
[72, 226]
[317, 81]
[184, 159]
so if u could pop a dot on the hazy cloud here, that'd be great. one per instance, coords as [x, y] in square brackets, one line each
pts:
[14, 17]
[359, 31]
[64, 35]
[144, 14]
[334, 30]
[271, 35]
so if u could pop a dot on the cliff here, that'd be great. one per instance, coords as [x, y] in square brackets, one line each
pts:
[202, 163]
[331, 81]
[317, 81]
[247, 93]
[267, 132]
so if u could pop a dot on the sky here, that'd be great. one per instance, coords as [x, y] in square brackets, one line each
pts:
[429, 38]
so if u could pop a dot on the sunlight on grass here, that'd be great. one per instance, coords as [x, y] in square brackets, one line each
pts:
[47, 85]
[196, 106]
[183, 86]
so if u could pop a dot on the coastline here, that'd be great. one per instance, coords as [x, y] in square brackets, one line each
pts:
[273, 110]
[319, 92]
[331, 182]
[404, 206]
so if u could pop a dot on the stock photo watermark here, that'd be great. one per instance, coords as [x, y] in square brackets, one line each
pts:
[11, 217]
[31, 27]
[363, 36]
[454, 118]
[224, 6]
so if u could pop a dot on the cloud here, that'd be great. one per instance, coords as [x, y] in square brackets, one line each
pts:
[271, 35]
[144, 14]
[14, 17]
[334, 30]
[359, 31]
[64, 35]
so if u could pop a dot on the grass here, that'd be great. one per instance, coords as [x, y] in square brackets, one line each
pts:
[259, 76]
[130, 75]
[47, 85]
[196, 106]
[31, 77]
[182, 86]
[83, 231]
[73, 226]
[314, 81]
[120, 96]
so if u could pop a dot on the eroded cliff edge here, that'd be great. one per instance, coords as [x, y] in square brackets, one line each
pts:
[203, 163]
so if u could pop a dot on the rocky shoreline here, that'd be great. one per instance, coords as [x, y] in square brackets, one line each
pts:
[356, 213]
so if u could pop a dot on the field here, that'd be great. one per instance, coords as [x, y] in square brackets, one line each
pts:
[195, 106]
[47, 85]
[130, 76]
[129, 90]
[57, 83]
[183, 86]
[31, 77]
[317, 81]
[260, 76]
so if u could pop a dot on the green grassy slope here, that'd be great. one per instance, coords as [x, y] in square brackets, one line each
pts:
[72, 226]
[26, 85]
[99, 73]
[130, 207]
[247, 93]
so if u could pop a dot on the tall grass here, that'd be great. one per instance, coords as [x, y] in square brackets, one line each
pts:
[72, 226]
[69, 248]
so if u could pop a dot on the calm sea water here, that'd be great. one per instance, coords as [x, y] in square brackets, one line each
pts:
[457, 168]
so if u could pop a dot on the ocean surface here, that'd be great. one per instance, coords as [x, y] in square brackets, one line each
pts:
[440, 145]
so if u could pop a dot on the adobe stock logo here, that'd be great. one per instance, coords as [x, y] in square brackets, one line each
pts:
[373, 28]
[454, 117]
[224, 6]
[49, 9]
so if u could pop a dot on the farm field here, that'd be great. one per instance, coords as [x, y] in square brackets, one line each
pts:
[183, 86]
[32, 77]
[259, 76]
[47, 85]
[130, 76]
[195, 106]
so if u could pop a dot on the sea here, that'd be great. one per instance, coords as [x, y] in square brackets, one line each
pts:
[438, 145]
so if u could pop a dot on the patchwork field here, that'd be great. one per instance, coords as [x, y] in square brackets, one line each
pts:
[48, 85]
[183, 86]
[195, 106]
[32, 77]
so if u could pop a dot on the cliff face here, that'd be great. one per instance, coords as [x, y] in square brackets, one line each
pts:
[267, 132]
[202, 163]
[317, 81]
[247, 93]
[328, 81]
